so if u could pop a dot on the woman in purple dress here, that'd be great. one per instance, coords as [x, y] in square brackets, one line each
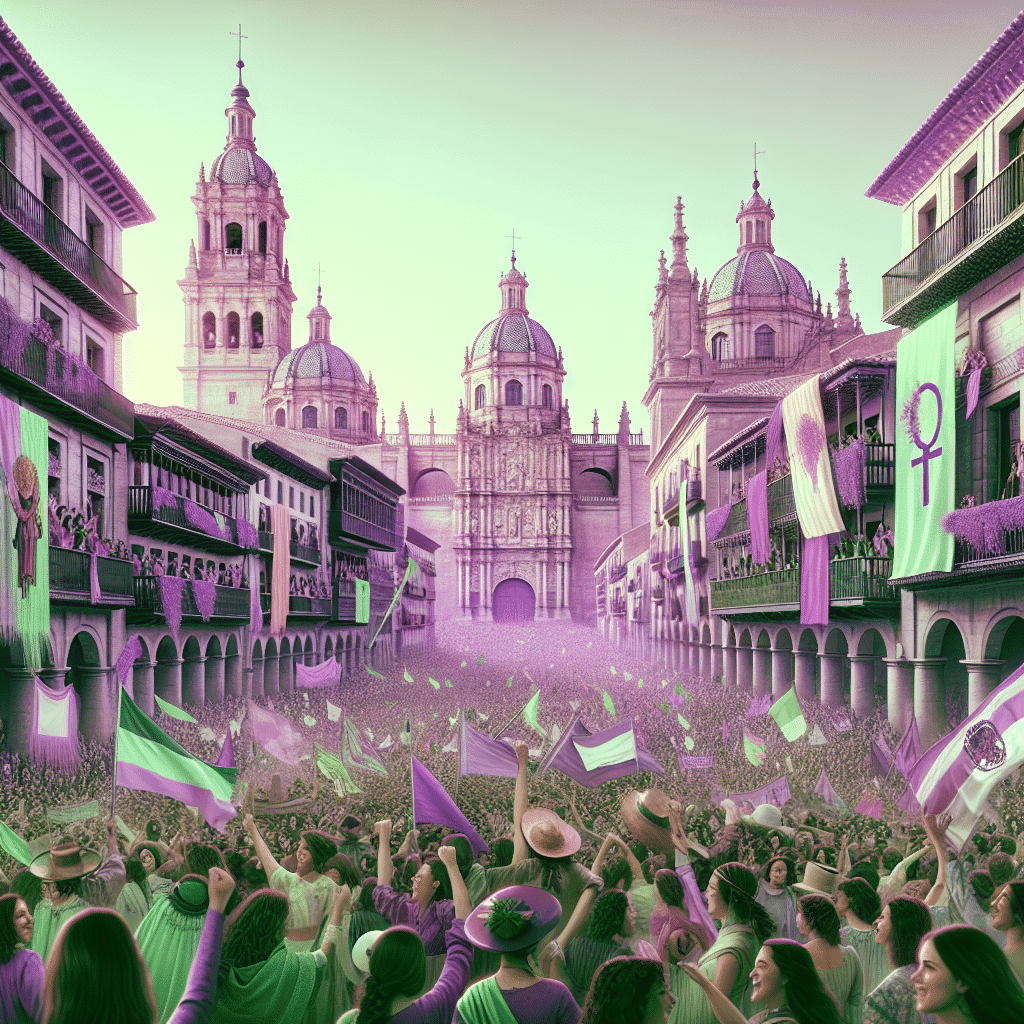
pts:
[21, 970]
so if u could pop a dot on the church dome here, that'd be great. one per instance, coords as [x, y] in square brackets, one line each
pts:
[239, 166]
[514, 331]
[317, 360]
[758, 272]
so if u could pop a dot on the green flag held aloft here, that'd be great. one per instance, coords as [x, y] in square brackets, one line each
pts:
[330, 765]
[754, 748]
[788, 716]
[925, 446]
[609, 706]
[14, 846]
[172, 711]
[530, 714]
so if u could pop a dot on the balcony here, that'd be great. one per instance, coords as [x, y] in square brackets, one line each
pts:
[618, 608]
[617, 573]
[988, 538]
[880, 467]
[694, 490]
[766, 364]
[781, 506]
[169, 523]
[303, 553]
[767, 592]
[983, 235]
[34, 234]
[344, 524]
[860, 581]
[737, 522]
[229, 603]
[69, 579]
[68, 388]
[266, 541]
[309, 607]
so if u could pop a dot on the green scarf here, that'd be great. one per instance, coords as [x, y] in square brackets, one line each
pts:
[483, 1003]
[279, 988]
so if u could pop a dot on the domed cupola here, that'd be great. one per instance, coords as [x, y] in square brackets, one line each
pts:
[239, 164]
[319, 321]
[513, 330]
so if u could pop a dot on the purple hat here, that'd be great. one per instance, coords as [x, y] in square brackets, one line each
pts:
[516, 917]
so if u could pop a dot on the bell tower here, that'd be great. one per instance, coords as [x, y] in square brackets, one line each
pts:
[237, 293]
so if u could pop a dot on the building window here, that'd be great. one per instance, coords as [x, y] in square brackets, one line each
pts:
[340, 418]
[94, 234]
[926, 220]
[263, 237]
[513, 393]
[750, 229]
[967, 185]
[209, 330]
[232, 398]
[280, 493]
[721, 348]
[764, 342]
[54, 321]
[366, 422]
[279, 417]
[95, 492]
[481, 397]
[234, 329]
[302, 502]
[256, 323]
[291, 497]
[546, 396]
[233, 238]
[7, 137]
[1013, 142]
[1007, 446]
[312, 505]
[53, 189]
[94, 356]
[309, 416]
[760, 231]
[206, 234]
[317, 329]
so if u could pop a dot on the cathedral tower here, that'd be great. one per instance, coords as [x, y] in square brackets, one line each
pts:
[237, 294]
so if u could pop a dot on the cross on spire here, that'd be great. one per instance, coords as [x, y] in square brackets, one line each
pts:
[757, 153]
[239, 65]
[513, 237]
[319, 271]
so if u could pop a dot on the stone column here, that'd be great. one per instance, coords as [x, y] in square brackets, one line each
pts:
[270, 677]
[982, 678]
[214, 689]
[731, 669]
[193, 682]
[256, 678]
[19, 684]
[704, 661]
[167, 680]
[54, 677]
[717, 661]
[899, 681]
[803, 672]
[831, 679]
[930, 699]
[744, 669]
[762, 670]
[143, 685]
[96, 711]
[862, 684]
[782, 671]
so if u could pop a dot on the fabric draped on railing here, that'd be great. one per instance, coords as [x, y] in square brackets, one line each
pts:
[757, 517]
[202, 519]
[171, 590]
[279, 579]
[248, 538]
[163, 498]
[362, 601]
[327, 673]
[814, 582]
[851, 466]
[54, 739]
[205, 593]
[773, 437]
[983, 527]
[95, 594]
[714, 522]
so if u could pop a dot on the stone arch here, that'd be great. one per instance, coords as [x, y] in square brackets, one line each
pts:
[1005, 641]
[867, 672]
[834, 668]
[167, 674]
[745, 662]
[209, 330]
[341, 418]
[213, 681]
[193, 673]
[83, 661]
[328, 649]
[279, 416]
[730, 635]
[835, 642]
[763, 639]
[270, 668]
[871, 643]
[783, 640]
[309, 651]
[432, 482]
[285, 675]
[513, 600]
[309, 417]
[142, 678]
[233, 678]
[513, 392]
[705, 634]
[257, 669]
[745, 639]
[595, 480]
[808, 641]
[948, 702]
[480, 397]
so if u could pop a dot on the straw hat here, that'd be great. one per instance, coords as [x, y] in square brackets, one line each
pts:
[63, 862]
[818, 878]
[26, 477]
[767, 816]
[548, 835]
[516, 917]
[646, 817]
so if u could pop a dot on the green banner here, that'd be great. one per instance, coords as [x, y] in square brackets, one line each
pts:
[74, 812]
[925, 445]
[172, 711]
[331, 766]
[394, 602]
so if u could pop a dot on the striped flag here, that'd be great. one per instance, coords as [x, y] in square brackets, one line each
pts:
[149, 760]
[754, 748]
[788, 716]
[530, 714]
[607, 748]
[957, 774]
[357, 750]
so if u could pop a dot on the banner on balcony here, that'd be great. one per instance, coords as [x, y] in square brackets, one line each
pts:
[757, 517]
[54, 738]
[809, 464]
[392, 606]
[689, 587]
[925, 446]
[363, 601]
[24, 534]
[279, 576]
[327, 673]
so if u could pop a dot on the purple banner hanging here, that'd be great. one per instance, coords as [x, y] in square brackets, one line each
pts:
[814, 594]
[773, 436]
[851, 464]
[757, 516]
[205, 593]
[131, 653]
[171, 590]
[715, 521]
[247, 536]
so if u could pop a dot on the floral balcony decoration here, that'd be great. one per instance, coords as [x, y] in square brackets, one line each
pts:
[203, 520]
[14, 334]
[205, 593]
[171, 590]
[163, 498]
[248, 538]
[984, 527]
[715, 521]
[851, 464]
[54, 464]
[96, 483]
[973, 366]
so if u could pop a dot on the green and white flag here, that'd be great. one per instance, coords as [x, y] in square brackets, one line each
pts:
[788, 716]
[14, 846]
[330, 765]
[925, 446]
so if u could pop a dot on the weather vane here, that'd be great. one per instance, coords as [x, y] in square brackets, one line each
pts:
[757, 153]
[240, 38]
[513, 237]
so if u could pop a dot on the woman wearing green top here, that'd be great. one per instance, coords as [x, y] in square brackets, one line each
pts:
[745, 925]
[838, 966]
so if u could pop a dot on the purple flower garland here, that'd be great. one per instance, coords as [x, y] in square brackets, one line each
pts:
[247, 535]
[205, 593]
[201, 519]
[983, 527]
[131, 653]
[171, 590]
[773, 436]
[850, 463]
[163, 498]
[810, 439]
[715, 521]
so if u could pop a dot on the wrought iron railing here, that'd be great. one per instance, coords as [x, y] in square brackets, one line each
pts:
[737, 521]
[140, 506]
[617, 573]
[752, 363]
[981, 215]
[781, 504]
[781, 587]
[880, 465]
[595, 438]
[69, 577]
[861, 578]
[431, 499]
[1011, 554]
[304, 553]
[341, 521]
[229, 603]
[318, 607]
[266, 539]
[618, 607]
[596, 499]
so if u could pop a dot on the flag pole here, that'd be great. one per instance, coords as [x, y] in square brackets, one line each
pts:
[458, 772]
[412, 785]
[117, 729]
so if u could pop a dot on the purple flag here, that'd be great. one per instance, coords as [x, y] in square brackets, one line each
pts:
[132, 651]
[277, 735]
[879, 757]
[909, 748]
[227, 752]
[776, 792]
[814, 595]
[824, 789]
[908, 804]
[432, 804]
[714, 522]
[757, 516]
[566, 758]
[479, 754]
[773, 436]
[869, 808]
[759, 705]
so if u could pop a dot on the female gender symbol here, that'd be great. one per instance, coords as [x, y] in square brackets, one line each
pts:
[928, 451]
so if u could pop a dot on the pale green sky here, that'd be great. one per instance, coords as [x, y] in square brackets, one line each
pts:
[409, 138]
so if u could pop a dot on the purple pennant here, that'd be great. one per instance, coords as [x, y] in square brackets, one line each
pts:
[869, 808]
[171, 590]
[909, 748]
[814, 582]
[227, 752]
[432, 805]
[205, 594]
[480, 754]
[973, 390]
[773, 437]
[247, 535]
[131, 653]
[565, 757]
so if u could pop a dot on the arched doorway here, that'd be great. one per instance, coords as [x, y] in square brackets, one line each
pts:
[193, 674]
[233, 680]
[834, 669]
[513, 601]
[940, 681]
[214, 675]
[1006, 644]
[95, 709]
[285, 667]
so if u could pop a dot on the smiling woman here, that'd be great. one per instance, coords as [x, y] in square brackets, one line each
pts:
[21, 970]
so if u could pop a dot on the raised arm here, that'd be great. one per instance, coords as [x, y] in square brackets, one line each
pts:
[721, 1005]
[520, 850]
[267, 859]
[460, 894]
[409, 843]
[936, 829]
[385, 869]
[339, 906]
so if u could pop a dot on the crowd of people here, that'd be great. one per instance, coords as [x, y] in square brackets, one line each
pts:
[79, 531]
[643, 899]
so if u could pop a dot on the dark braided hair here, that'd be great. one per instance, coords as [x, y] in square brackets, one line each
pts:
[670, 889]
[739, 891]
[398, 967]
[609, 915]
[255, 929]
[620, 990]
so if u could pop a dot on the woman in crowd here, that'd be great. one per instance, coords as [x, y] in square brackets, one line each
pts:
[1008, 917]
[838, 966]
[611, 922]
[398, 968]
[775, 894]
[745, 926]
[861, 905]
[152, 860]
[900, 927]
[963, 977]
[674, 935]
[786, 981]
[628, 990]
[134, 900]
[513, 922]
[21, 969]
[96, 974]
